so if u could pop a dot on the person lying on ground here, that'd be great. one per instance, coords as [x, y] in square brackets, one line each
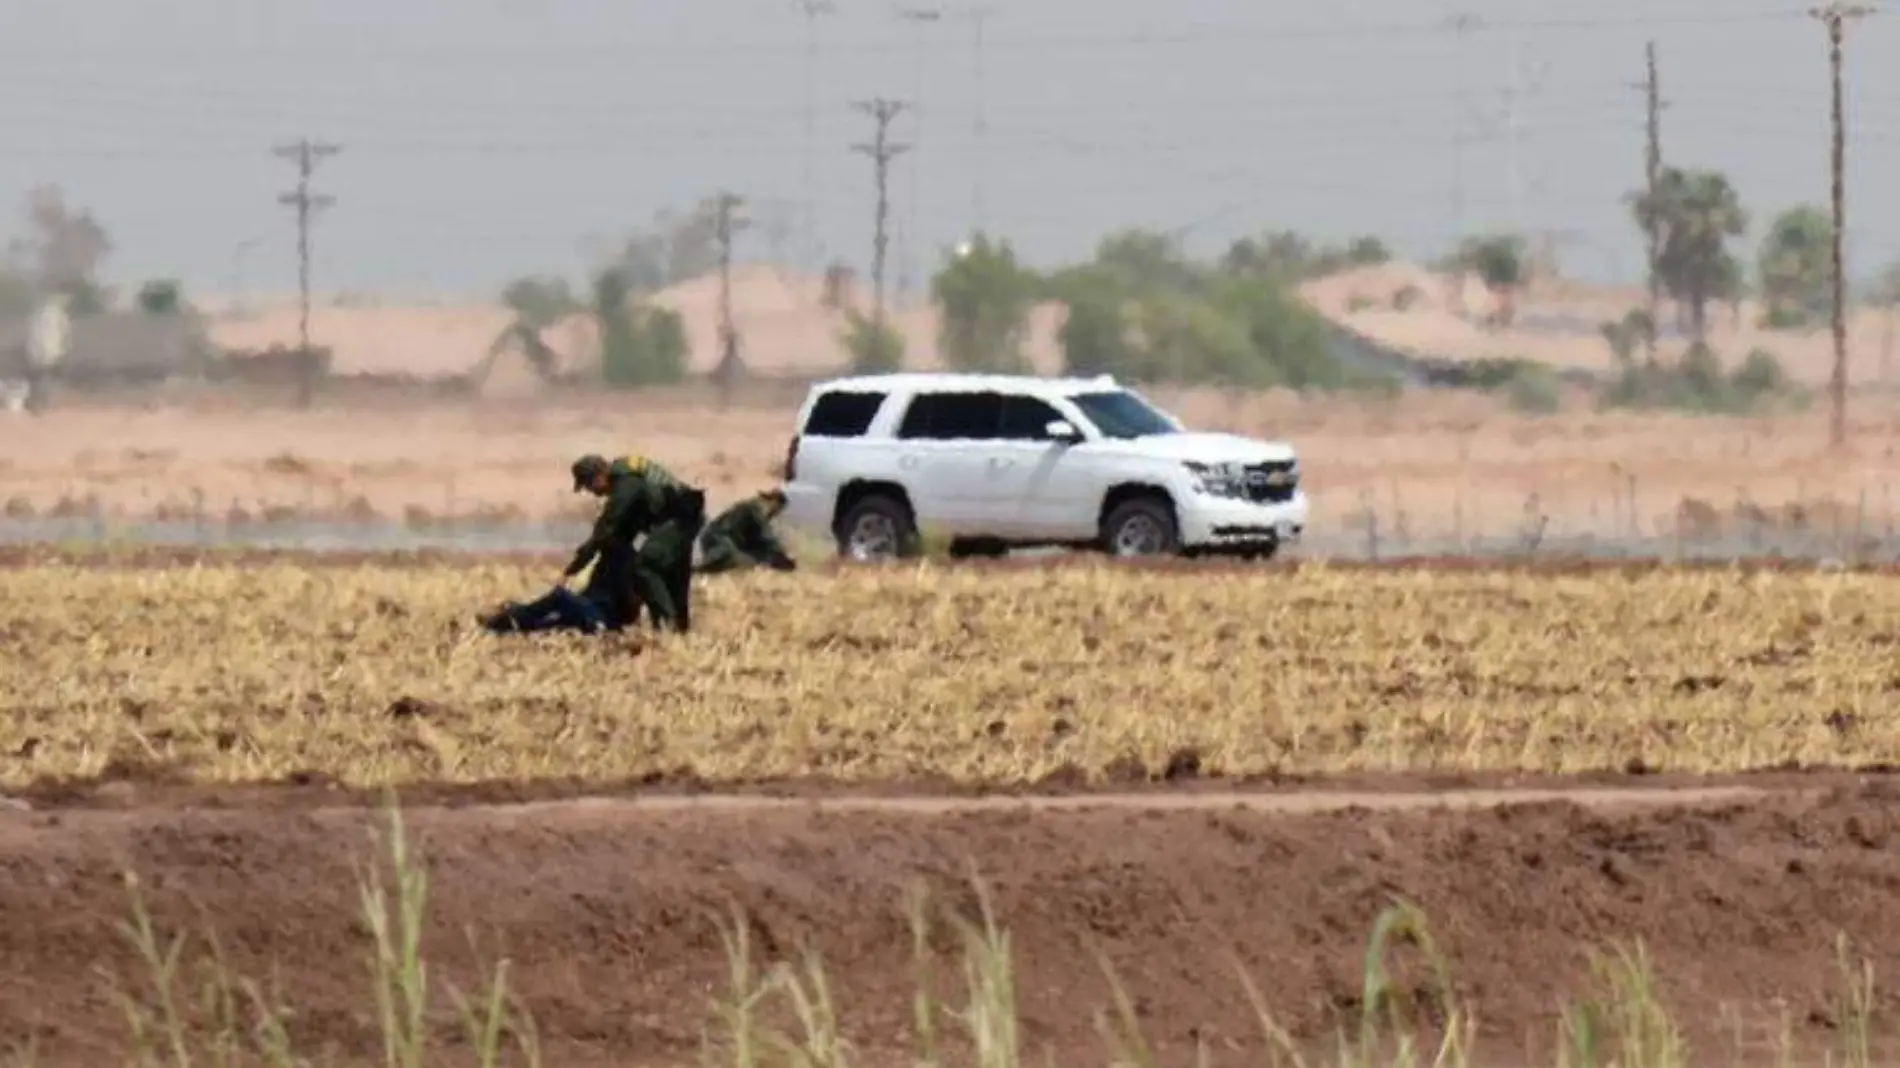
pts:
[558, 609]
[603, 604]
[742, 537]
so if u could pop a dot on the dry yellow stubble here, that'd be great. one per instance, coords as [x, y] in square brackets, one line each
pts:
[378, 675]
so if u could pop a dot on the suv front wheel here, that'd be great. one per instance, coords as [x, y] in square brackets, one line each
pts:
[1142, 526]
[876, 527]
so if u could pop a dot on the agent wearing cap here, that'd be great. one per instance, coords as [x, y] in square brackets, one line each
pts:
[643, 498]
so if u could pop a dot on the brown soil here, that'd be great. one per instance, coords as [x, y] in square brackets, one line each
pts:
[603, 908]
[126, 786]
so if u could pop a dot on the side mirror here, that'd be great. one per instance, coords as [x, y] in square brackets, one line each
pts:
[1062, 430]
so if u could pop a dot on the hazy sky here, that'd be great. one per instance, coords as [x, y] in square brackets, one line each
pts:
[484, 139]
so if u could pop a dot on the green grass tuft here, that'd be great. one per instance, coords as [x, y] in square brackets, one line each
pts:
[783, 1014]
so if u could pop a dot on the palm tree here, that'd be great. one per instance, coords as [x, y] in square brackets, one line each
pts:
[1694, 213]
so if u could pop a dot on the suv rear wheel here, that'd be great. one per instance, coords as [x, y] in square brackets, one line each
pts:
[876, 527]
[1140, 526]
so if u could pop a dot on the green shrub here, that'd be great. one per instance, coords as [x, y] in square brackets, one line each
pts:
[875, 348]
[1698, 383]
[1536, 390]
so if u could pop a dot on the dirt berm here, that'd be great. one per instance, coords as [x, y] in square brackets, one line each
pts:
[605, 912]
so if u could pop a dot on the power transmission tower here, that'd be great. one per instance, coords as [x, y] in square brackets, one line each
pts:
[812, 10]
[1835, 17]
[305, 153]
[731, 366]
[882, 150]
[1522, 83]
[1652, 169]
[1461, 24]
[978, 199]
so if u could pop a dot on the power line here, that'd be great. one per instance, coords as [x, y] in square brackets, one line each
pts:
[165, 98]
[813, 10]
[881, 150]
[1345, 133]
[1151, 131]
[306, 154]
[123, 108]
[1835, 17]
[1349, 135]
[1210, 31]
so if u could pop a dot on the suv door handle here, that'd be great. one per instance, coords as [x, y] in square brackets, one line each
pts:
[1000, 461]
[908, 463]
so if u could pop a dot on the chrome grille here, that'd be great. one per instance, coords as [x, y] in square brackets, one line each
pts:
[1270, 483]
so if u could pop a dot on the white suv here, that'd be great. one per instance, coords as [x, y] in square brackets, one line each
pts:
[997, 462]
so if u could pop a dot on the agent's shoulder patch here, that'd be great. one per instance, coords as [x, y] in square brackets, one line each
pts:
[634, 462]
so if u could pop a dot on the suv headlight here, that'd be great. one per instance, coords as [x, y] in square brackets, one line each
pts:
[1219, 480]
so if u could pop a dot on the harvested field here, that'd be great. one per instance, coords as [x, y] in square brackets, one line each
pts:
[152, 706]
[374, 674]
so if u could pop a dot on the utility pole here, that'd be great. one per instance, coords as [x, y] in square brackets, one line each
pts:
[305, 153]
[1461, 24]
[1835, 17]
[881, 150]
[731, 366]
[813, 10]
[910, 243]
[1652, 169]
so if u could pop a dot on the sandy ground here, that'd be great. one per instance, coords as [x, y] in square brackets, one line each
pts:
[1558, 324]
[787, 326]
[1434, 469]
[605, 907]
[784, 323]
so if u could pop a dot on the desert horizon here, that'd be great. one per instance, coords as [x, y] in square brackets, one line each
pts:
[786, 328]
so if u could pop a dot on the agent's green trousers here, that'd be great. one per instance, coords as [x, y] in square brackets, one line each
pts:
[663, 575]
[718, 553]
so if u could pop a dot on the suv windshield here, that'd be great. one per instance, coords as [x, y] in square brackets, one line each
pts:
[1122, 415]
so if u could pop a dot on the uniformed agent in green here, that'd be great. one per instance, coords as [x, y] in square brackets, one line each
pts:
[742, 537]
[644, 498]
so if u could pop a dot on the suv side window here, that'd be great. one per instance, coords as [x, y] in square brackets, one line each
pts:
[1027, 419]
[953, 417]
[843, 415]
